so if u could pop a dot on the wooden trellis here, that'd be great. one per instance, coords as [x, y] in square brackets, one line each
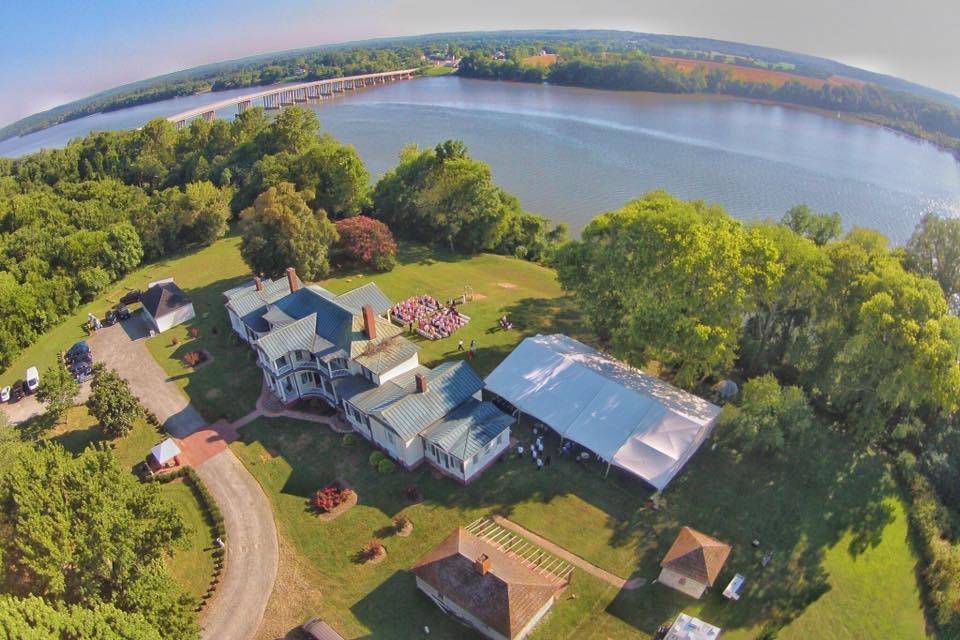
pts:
[521, 549]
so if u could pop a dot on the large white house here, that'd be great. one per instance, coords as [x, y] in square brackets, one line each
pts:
[341, 348]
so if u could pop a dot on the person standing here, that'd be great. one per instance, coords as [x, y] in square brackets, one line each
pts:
[473, 344]
[460, 346]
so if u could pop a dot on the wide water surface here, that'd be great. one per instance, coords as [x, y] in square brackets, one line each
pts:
[571, 153]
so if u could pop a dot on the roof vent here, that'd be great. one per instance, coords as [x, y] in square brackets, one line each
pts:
[369, 322]
[482, 564]
[421, 383]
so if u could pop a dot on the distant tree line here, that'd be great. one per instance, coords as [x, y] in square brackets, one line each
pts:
[75, 220]
[639, 71]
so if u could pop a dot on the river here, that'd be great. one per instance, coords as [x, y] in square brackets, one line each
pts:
[571, 153]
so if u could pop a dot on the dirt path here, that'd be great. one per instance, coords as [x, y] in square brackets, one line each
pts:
[575, 560]
[236, 610]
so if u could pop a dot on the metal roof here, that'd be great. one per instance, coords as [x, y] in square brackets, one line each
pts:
[468, 428]
[296, 335]
[408, 412]
[368, 294]
[387, 354]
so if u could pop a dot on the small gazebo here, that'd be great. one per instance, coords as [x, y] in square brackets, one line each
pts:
[693, 562]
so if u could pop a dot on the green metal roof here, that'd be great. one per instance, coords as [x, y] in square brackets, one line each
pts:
[368, 294]
[408, 412]
[387, 354]
[468, 428]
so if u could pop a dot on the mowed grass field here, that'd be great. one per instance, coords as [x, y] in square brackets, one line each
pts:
[753, 74]
[842, 567]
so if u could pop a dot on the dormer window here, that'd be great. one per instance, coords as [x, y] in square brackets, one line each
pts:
[282, 362]
[299, 355]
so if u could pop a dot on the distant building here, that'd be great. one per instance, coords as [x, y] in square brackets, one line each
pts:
[693, 562]
[165, 305]
[341, 348]
[493, 592]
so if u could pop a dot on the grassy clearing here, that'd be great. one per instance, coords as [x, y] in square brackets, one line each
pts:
[527, 293]
[544, 60]
[78, 429]
[192, 564]
[438, 71]
[842, 566]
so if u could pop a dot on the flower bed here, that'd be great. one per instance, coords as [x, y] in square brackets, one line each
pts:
[333, 500]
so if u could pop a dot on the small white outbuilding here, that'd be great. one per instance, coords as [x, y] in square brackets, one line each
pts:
[165, 305]
[165, 452]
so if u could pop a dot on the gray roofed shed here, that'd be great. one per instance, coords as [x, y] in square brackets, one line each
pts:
[164, 298]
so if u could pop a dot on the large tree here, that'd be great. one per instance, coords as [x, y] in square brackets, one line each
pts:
[768, 417]
[82, 531]
[34, 618]
[934, 251]
[670, 281]
[58, 392]
[112, 403]
[280, 230]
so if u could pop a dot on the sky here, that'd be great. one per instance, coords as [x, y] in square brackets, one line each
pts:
[55, 51]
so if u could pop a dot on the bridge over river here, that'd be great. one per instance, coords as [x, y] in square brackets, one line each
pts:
[290, 94]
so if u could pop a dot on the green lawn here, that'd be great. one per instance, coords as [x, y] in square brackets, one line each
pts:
[78, 429]
[842, 565]
[527, 293]
[192, 564]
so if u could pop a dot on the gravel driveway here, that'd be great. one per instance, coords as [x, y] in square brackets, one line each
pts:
[237, 609]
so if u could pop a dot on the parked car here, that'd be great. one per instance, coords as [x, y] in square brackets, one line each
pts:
[82, 375]
[5, 394]
[33, 379]
[122, 312]
[16, 391]
[110, 319]
[79, 352]
[80, 365]
[131, 296]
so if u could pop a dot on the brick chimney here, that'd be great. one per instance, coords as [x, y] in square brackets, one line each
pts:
[292, 279]
[421, 383]
[257, 284]
[369, 322]
[482, 564]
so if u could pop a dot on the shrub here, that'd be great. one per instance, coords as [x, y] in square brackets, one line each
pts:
[412, 493]
[372, 550]
[329, 498]
[367, 241]
[768, 418]
[402, 523]
[386, 466]
[194, 332]
[348, 440]
[375, 458]
[193, 358]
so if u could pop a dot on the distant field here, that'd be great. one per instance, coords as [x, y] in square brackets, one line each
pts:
[545, 60]
[753, 74]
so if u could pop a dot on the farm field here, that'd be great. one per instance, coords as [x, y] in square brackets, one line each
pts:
[835, 527]
[753, 74]
[545, 60]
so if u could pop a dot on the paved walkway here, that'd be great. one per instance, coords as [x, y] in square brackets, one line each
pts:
[577, 561]
[250, 570]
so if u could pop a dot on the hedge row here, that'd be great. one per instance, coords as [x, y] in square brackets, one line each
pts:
[209, 506]
[934, 528]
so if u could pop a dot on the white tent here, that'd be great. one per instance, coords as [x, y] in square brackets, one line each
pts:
[165, 451]
[633, 420]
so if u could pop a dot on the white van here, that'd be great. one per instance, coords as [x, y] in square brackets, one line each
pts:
[33, 379]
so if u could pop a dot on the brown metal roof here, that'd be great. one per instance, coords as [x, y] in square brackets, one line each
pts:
[505, 598]
[696, 556]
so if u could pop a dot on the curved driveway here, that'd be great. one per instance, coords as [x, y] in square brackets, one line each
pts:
[235, 612]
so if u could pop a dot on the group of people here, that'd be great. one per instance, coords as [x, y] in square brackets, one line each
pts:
[537, 454]
[505, 324]
[542, 459]
[425, 315]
